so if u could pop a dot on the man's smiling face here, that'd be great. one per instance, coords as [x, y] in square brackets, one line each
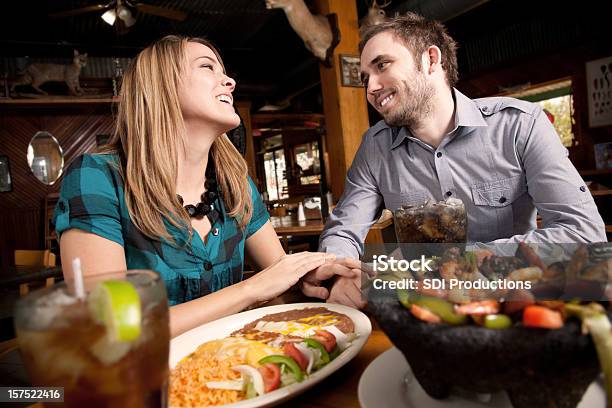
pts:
[395, 87]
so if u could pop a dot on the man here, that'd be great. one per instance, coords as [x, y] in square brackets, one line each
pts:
[500, 156]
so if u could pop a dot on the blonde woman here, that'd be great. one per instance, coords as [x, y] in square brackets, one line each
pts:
[171, 193]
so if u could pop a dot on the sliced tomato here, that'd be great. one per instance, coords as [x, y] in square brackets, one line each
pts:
[424, 314]
[327, 339]
[271, 376]
[542, 317]
[291, 351]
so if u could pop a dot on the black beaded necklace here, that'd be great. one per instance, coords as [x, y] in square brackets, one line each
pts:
[208, 197]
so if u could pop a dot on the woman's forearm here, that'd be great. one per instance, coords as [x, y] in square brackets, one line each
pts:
[224, 302]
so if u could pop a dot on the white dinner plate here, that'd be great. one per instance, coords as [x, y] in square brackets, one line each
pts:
[186, 343]
[388, 383]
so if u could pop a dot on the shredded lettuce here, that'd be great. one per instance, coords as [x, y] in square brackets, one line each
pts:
[250, 391]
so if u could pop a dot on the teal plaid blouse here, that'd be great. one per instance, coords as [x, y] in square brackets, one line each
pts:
[92, 200]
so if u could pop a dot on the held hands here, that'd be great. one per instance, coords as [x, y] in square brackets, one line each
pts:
[284, 273]
[346, 289]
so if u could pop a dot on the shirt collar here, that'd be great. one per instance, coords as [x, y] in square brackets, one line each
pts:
[467, 114]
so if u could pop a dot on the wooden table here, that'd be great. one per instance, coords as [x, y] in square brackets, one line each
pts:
[20, 277]
[16, 275]
[288, 225]
[340, 388]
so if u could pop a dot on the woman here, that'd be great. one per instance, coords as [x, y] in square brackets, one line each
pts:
[124, 208]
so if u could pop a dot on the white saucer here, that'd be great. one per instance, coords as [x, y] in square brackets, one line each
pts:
[388, 383]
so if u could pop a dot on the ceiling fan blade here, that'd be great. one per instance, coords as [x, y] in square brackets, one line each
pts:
[120, 27]
[161, 11]
[83, 10]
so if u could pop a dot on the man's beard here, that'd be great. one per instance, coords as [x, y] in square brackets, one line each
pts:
[415, 104]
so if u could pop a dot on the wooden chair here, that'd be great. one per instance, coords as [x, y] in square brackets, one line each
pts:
[7, 346]
[28, 258]
[44, 258]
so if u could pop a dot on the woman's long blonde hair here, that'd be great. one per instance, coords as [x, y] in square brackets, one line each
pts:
[148, 134]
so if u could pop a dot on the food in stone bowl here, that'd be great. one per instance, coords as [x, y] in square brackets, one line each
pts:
[543, 345]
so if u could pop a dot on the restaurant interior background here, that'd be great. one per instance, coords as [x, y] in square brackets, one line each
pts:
[303, 118]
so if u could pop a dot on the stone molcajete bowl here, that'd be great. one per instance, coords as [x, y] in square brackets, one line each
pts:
[536, 367]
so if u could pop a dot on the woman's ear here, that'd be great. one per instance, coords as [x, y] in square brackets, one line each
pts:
[434, 59]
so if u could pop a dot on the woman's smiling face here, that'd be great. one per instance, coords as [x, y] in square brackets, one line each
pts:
[205, 92]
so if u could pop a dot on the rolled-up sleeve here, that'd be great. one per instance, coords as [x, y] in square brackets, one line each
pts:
[359, 207]
[568, 211]
[260, 214]
[89, 199]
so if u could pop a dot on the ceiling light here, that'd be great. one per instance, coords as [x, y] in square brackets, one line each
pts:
[126, 15]
[109, 17]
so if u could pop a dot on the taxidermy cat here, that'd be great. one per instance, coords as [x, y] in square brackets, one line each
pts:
[37, 74]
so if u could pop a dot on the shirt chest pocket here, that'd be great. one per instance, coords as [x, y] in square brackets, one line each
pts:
[498, 193]
[492, 211]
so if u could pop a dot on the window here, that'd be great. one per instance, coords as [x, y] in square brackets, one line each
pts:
[556, 99]
[307, 158]
[290, 162]
[274, 166]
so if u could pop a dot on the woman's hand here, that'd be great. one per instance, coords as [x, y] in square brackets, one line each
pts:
[284, 273]
[311, 283]
[346, 289]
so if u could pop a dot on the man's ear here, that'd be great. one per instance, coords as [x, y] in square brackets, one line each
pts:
[433, 59]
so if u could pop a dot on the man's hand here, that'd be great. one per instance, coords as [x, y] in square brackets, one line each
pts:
[311, 283]
[346, 290]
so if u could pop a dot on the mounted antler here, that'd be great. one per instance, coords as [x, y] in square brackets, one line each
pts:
[375, 15]
[315, 30]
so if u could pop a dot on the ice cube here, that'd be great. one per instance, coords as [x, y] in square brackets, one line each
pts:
[52, 355]
[109, 351]
[56, 298]
[48, 308]
[454, 201]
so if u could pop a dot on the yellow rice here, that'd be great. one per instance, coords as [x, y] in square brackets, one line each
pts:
[187, 381]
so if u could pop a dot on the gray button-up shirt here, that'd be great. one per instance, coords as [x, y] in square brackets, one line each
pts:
[503, 159]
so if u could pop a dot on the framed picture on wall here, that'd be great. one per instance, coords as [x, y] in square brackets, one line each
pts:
[351, 73]
[603, 155]
[599, 91]
[6, 183]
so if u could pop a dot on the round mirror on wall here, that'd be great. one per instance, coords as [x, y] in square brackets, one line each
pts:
[45, 157]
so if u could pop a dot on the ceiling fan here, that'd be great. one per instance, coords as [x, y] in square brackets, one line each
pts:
[123, 10]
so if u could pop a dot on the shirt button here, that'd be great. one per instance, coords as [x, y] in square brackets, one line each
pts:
[62, 206]
[582, 188]
[207, 265]
[485, 109]
[449, 193]
[215, 231]
[502, 200]
[439, 154]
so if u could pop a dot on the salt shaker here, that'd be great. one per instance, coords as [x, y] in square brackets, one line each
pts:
[301, 215]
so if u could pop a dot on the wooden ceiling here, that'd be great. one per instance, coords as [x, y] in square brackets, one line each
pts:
[270, 62]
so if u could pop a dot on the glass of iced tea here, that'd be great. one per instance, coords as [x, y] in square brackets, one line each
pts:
[108, 347]
[432, 222]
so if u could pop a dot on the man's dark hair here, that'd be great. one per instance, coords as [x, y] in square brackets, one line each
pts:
[418, 33]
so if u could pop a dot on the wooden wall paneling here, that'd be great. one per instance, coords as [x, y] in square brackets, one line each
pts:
[75, 127]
